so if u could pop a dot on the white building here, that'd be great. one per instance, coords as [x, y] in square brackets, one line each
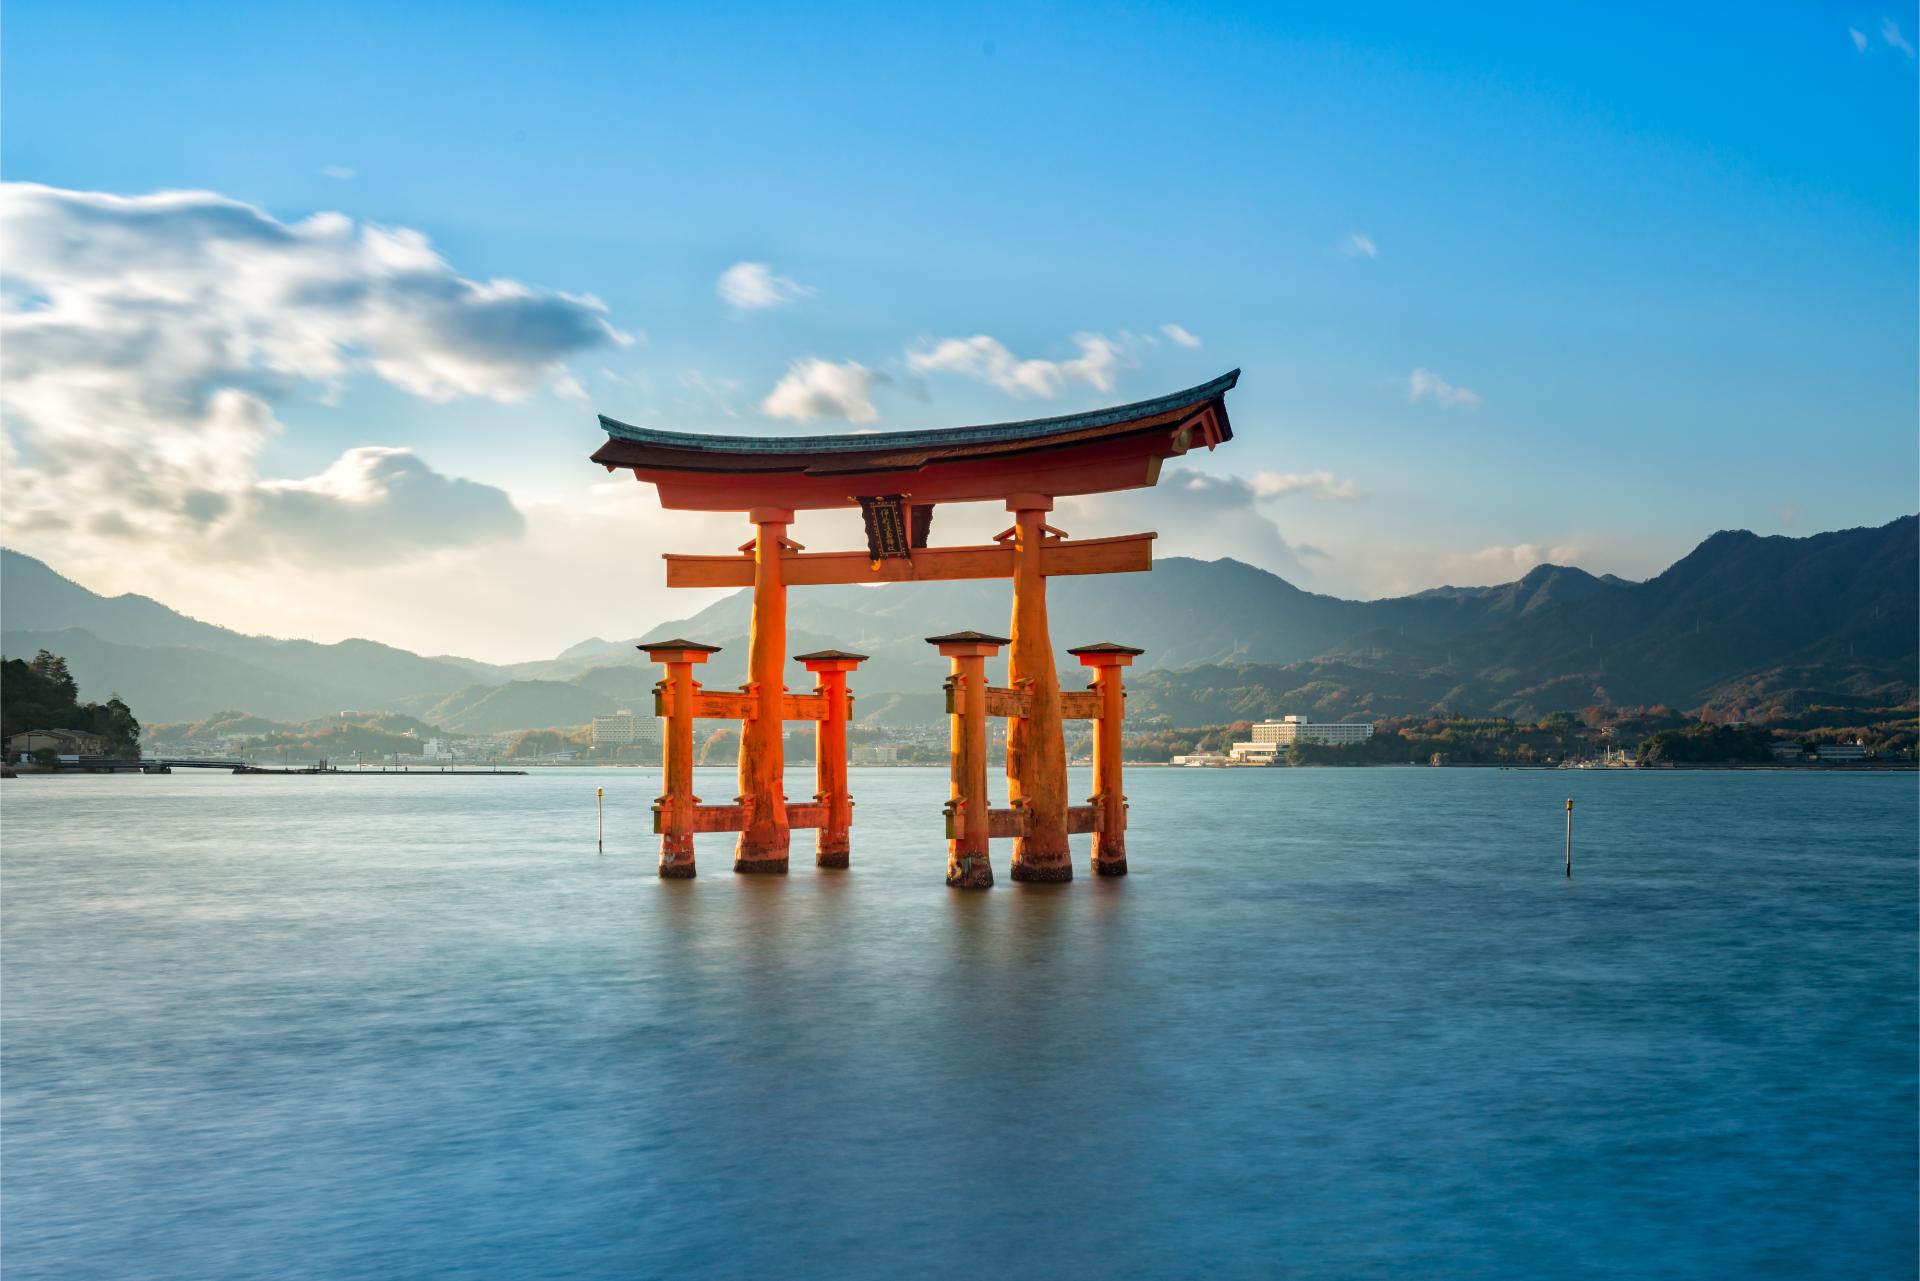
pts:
[1198, 760]
[623, 729]
[1271, 739]
[877, 753]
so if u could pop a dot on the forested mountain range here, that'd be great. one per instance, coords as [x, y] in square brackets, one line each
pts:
[1741, 622]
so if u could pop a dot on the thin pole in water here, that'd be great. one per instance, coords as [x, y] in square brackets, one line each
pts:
[1569, 838]
[600, 808]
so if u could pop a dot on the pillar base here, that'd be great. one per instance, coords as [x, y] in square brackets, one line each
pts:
[832, 858]
[758, 865]
[1110, 867]
[1044, 873]
[973, 872]
[676, 871]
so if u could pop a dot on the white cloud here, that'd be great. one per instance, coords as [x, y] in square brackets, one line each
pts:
[1318, 484]
[1890, 32]
[339, 173]
[1197, 514]
[148, 337]
[1522, 557]
[370, 501]
[988, 360]
[816, 388]
[1180, 336]
[753, 286]
[1423, 384]
[1359, 245]
[1859, 38]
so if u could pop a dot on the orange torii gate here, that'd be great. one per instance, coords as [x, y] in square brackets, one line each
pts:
[897, 479]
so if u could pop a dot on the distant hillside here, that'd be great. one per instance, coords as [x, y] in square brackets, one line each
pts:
[1740, 622]
[287, 679]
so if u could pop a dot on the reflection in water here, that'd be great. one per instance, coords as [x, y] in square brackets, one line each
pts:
[415, 1034]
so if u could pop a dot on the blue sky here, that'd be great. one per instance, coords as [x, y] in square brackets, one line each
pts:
[1659, 270]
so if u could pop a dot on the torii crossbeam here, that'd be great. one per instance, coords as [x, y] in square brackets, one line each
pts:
[897, 478]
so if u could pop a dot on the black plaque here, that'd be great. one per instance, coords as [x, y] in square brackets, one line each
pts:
[887, 534]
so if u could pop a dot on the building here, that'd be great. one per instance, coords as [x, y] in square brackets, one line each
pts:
[1787, 751]
[877, 753]
[624, 729]
[1841, 752]
[64, 742]
[1271, 739]
[1198, 760]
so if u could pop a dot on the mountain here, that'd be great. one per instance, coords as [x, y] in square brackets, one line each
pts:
[1741, 622]
[172, 667]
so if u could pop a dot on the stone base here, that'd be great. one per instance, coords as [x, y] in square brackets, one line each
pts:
[756, 865]
[832, 858]
[676, 871]
[974, 872]
[1110, 867]
[1045, 873]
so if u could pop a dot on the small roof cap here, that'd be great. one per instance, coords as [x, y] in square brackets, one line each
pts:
[1107, 647]
[827, 655]
[968, 638]
[677, 643]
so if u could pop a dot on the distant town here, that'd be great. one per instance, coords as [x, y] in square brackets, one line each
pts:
[47, 728]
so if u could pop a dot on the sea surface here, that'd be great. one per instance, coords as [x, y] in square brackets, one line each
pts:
[1338, 1023]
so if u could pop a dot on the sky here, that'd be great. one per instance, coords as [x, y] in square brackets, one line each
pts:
[306, 311]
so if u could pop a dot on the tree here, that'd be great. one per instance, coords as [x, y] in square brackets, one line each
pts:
[51, 667]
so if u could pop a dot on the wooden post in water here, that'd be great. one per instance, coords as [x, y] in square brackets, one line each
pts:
[832, 844]
[673, 700]
[1036, 747]
[1569, 838]
[969, 860]
[762, 846]
[600, 818]
[1110, 839]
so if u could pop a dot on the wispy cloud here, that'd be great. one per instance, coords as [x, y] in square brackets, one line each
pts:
[1323, 485]
[1359, 245]
[1180, 336]
[718, 392]
[339, 172]
[816, 388]
[988, 360]
[1523, 556]
[1424, 384]
[753, 286]
[1859, 38]
[1890, 32]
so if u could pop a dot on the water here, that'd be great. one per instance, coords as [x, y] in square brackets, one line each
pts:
[1337, 1024]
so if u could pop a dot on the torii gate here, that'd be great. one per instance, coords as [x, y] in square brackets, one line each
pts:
[897, 478]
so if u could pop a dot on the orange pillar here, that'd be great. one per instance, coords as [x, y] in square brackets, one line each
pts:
[673, 699]
[1110, 842]
[832, 847]
[969, 851]
[1036, 749]
[763, 840]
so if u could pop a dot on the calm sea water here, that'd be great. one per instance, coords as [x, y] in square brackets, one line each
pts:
[1337, 1024]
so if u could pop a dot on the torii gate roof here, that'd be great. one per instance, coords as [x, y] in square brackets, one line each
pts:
[1091, 453]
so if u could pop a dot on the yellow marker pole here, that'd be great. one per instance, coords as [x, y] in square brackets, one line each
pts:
[600, 805]
[1569, 838]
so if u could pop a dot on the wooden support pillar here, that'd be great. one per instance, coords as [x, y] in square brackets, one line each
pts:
[1110, 838]
[1036, 748]
[969, 860]
[673, 700]
[832, 847]
[763, 841]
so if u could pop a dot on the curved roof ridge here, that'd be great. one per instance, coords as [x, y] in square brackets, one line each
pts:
[867, 442]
